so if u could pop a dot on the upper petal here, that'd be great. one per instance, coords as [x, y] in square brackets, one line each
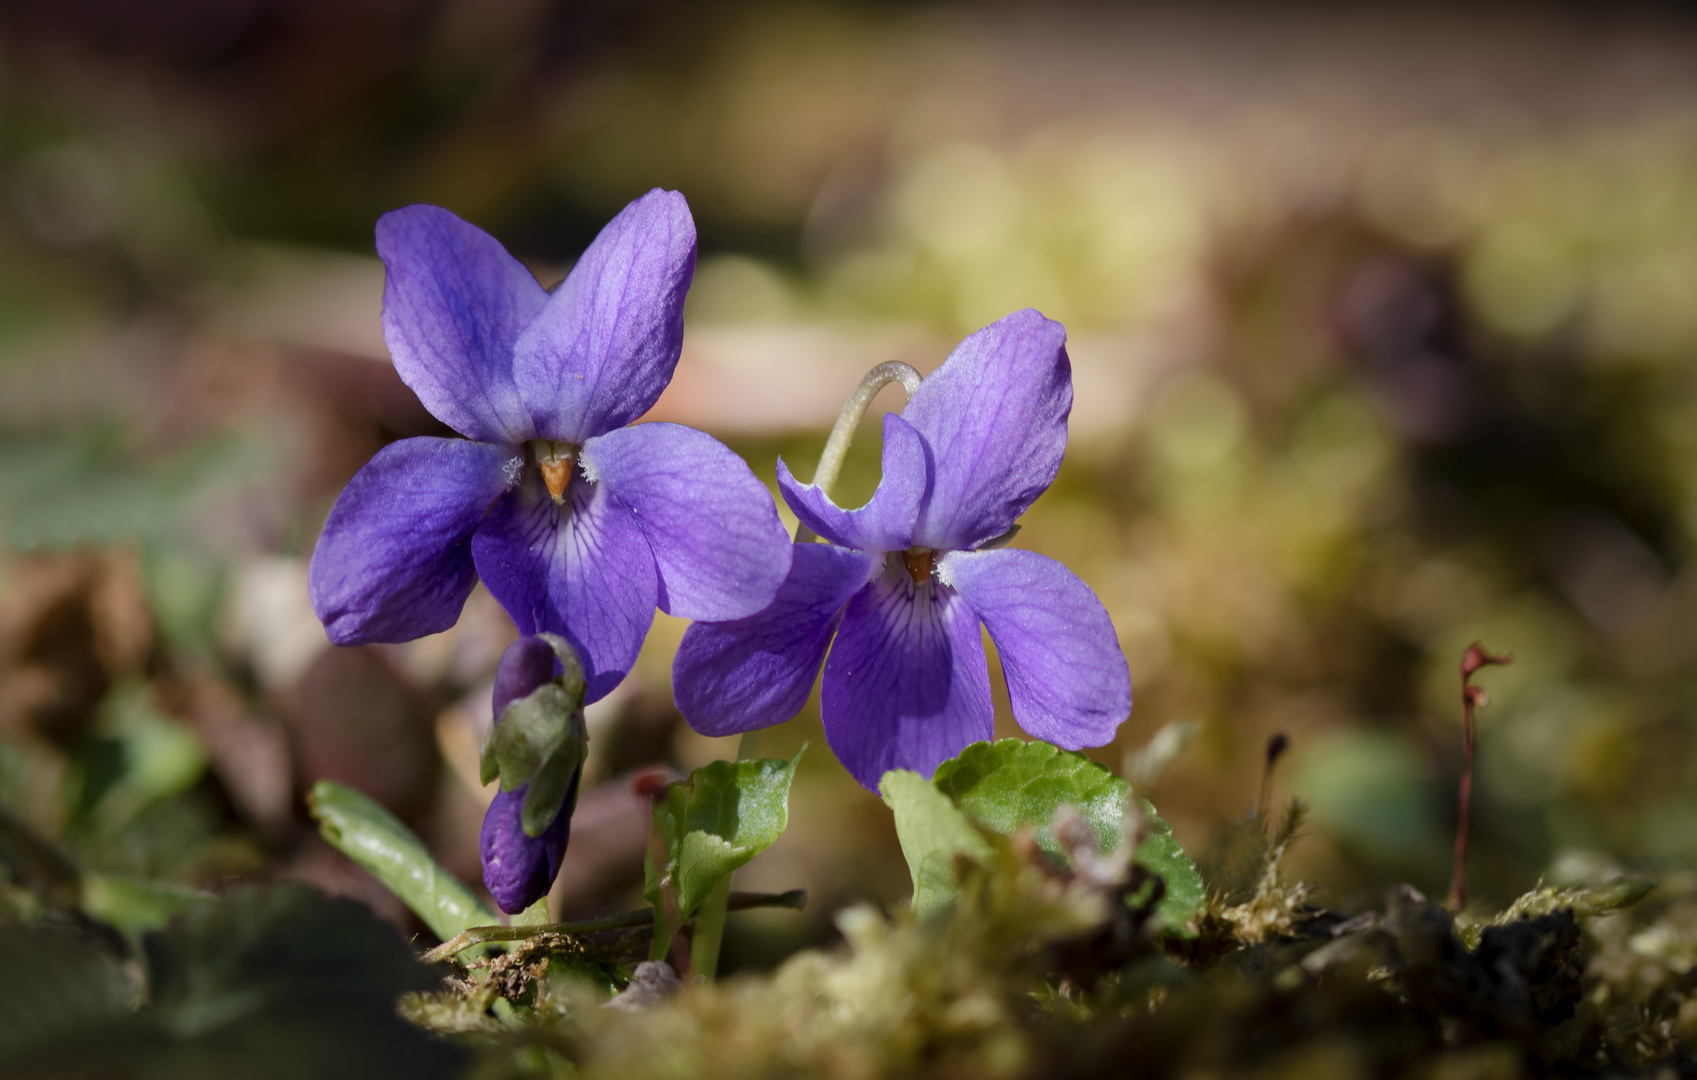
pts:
[394, 560]
[755, 672]
[995, 418]
[585, 573]
[607, 341]
[906, 685]
[886, 522]
[716, 536]
[1067, 678]
[454, 305]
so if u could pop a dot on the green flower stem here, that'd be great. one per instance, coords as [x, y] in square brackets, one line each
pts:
[710, 931]
[710, 916]
[795, 899]
[842, 433]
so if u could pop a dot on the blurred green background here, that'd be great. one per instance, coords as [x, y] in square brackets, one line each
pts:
[1383, 326]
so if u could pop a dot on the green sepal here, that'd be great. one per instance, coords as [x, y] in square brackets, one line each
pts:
[548, 792]
[533, 730]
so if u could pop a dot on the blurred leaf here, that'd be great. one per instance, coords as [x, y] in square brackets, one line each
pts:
[281, 980]
[94, 490]
[184, 592]
[36, 864]
[1010, 783]
[1365, 788]
[723, 815]
[135, 904]
[258, 947]
[374, 838]
[932, 833]
[1143, 767]
[62, 984]
[147, 756]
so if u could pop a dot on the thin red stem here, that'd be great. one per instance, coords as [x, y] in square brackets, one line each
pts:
[1474, 658]
[1458, 880]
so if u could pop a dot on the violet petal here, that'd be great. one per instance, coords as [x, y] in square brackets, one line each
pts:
[717, 539]
[886, 522]
[995, 418]
[454, 305]
[519, 870]
[1067, 677]
[394, 560]
[906, 685]
[587, 575]
[604, 347]
[731, 677]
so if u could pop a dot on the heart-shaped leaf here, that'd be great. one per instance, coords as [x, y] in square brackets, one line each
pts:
[725, 814]
[1005, 785]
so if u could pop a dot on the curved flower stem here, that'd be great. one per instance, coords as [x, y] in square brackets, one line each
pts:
[795, 899]
[842, 433]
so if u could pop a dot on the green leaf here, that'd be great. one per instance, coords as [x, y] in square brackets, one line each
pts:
[1161, 854]
[1003, 785]
[372, 837]
[725, 814]
[932, 833]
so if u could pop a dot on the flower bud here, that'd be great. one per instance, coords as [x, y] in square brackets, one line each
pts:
[525, 665]
[519, 870]
[536, 747]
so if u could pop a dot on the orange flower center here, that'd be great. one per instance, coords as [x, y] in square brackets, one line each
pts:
[554, 460]
[919, 561]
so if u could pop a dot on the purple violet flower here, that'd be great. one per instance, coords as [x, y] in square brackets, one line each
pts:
[517, 869]
[577, 522]
[905, 581]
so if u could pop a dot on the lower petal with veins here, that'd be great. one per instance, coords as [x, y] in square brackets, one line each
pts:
[906, 685]
[583, 571]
